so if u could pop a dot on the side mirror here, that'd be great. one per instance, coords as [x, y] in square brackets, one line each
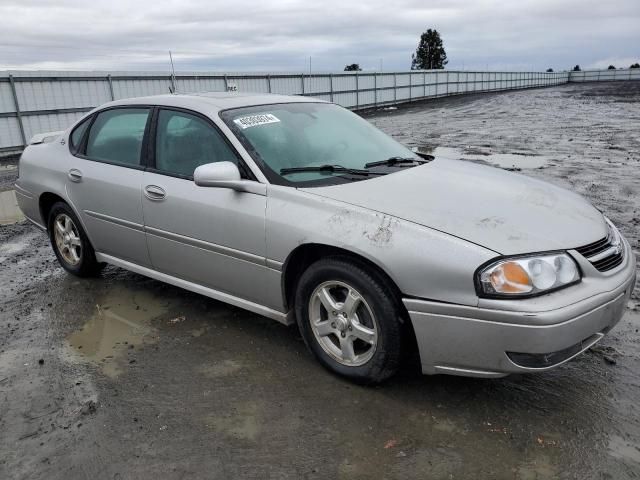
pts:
[225, 175]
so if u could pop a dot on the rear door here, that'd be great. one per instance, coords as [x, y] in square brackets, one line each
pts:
[104, 181]
[210, 236]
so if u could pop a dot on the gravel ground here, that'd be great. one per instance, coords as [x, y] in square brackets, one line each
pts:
[124, 377]
[8, 172]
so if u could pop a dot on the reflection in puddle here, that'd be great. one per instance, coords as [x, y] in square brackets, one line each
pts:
[509, 161]
[9, 211]
[120, 323]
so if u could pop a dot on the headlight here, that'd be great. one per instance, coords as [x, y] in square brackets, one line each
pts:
[527, 276]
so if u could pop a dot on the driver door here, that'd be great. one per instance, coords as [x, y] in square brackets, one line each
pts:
[214, 237]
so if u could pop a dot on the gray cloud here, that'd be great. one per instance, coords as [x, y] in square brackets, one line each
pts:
[282, 34]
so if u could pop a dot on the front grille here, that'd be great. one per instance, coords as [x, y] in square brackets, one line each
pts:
[604, 255]
[608, 263]
[594, 248]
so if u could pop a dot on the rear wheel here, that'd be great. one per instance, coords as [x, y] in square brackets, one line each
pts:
[349, 320]
[70, 243]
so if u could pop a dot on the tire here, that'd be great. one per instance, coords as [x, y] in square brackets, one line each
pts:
[360, 310]
[70, 242]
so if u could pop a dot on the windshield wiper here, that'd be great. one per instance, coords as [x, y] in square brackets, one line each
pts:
[394, 161]
[327, 168]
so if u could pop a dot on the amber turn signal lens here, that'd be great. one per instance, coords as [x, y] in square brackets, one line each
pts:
[510, 278]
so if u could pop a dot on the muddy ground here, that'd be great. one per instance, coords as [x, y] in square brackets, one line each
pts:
[123, 377]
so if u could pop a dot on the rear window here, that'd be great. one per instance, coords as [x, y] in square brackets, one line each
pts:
[116, 136]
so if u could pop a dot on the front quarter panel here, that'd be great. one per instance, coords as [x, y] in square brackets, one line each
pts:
[422, 262]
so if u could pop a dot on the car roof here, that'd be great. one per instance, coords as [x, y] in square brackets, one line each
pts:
[213, 102]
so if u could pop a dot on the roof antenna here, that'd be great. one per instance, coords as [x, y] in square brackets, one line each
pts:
[172, 87]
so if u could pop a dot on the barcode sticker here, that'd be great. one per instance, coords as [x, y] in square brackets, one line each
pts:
[255, 120]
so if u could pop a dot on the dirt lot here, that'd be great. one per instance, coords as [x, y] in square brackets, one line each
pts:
[123, 377]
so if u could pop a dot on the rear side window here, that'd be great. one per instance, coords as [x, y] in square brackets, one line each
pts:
[184, 142]
[116, 136]
[78, 133]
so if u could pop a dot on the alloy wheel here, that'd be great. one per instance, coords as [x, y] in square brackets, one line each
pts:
[67, 238]
[343, 323]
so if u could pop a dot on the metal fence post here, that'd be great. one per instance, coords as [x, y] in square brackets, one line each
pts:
[110, 87]
[269, 83]
[226, 83]
[302, 82]
[331, 87]
[18, 114]
[357, 91]
[424, 84]
[410, 83]
[395, 88]
[375, 89]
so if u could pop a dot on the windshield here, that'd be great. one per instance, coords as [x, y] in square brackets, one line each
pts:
[285, 138]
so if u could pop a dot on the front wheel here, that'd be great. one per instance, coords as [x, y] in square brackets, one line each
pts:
[349, 320]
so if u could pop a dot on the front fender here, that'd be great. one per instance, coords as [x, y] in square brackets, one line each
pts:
[422, 262]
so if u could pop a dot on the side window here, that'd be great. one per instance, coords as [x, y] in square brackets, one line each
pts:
[184, 142]
[78, 133]
[116, 135]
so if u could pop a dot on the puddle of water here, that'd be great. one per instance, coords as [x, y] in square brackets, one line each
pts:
[120, 322]
[509, 161]
[9, 211]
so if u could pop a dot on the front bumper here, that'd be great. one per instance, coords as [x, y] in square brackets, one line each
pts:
[487, 341]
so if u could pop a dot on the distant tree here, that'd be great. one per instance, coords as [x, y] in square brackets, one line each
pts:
[576, 68]
[635, 65]
[549, 70]
[430, 54]
[611, 67]
[354, 67]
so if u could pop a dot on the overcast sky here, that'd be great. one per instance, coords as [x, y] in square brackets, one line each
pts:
[276, 35]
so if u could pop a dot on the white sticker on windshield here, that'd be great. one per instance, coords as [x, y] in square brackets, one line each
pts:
[255, 120]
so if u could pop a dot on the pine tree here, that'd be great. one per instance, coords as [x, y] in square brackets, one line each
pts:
[430, 54]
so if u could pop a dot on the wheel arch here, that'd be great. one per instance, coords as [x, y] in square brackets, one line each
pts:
[45, 202]
[304, 255]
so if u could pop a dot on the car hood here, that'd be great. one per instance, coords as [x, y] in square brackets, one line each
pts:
[499, 210]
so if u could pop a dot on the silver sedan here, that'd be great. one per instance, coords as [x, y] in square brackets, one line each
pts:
[301, 211]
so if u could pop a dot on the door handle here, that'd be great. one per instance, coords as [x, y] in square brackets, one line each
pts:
[75, 175]
[154, 192]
